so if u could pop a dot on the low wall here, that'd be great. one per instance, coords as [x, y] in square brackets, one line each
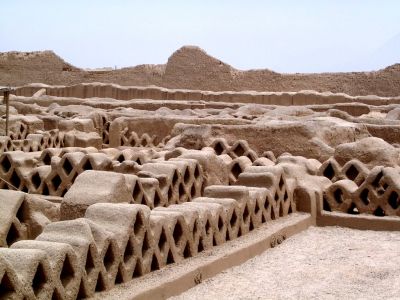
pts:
[156, 93]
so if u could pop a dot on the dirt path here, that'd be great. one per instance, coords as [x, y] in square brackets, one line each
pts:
[320, 263]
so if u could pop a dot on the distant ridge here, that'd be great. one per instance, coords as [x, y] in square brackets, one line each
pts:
[190, 67]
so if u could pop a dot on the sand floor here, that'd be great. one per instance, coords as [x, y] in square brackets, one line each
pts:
[320, 263]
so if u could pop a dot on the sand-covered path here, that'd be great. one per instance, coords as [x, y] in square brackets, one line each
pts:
[320, 263]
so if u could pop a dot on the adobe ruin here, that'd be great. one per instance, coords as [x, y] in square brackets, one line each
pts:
[104, 185]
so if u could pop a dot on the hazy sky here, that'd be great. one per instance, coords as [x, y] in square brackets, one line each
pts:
[285, 36]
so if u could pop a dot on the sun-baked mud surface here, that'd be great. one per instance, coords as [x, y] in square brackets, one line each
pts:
[320, 263]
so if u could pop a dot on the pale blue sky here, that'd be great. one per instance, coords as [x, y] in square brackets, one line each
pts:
[285, 36]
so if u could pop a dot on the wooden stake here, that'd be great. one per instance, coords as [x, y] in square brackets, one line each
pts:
[6, 100]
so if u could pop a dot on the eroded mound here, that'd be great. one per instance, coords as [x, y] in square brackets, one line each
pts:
[192, 68]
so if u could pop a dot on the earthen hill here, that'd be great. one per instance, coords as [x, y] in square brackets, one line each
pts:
[192, 68]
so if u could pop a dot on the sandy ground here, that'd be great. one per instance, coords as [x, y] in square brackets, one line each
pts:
[320, 263]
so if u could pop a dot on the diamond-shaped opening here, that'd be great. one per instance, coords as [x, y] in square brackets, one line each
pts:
[281, 183]
[233, 219]
[187, 252]
[352, 172]
[170, 193]
[246, 214]
[67, 166]
[266, 203]
[251, 227]
[162, 242]
[208, 227]
[56, 295]
[263, 218]
[7, 288]
[276, 197]
[200, 246]
[218, 148]
[133, 142]
[56, 181]
[87, 165]
[67, 272]
[13, 235]
[128, 133]
[193, 191]
[353, 209]
[15, 180]
[39, 280]
[329, 172]
[146, 244]
[36, 180]
[154, 263]
[186, 176]
[5, 164]
[273, 215]
[214, 241]
[157, 199]
[137, 271]
[236, 170]
[136, 191]
[145, 142]
[121, 158]
[197, 171]
[240, 233]
[100, 284]
[82, 294]
[379, 212]
[220, 223]
[129, 252]
[256, 208]
[285, 196]
[178, 233]
[175, 178]
[9, 145]
[377, 179]
[195, 229]
[182, 192]
[119, 278]
[364, 196]
[45, 191]
[227, 237]
[394, 200]
[63, 192]
[20, 213]
[139, 224]
[170, 257]
[338, 195]
[109, 258]
[239, 149]
[281, 213]
[89, 265]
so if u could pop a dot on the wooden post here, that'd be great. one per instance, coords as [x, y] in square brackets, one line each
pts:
[6, 100]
